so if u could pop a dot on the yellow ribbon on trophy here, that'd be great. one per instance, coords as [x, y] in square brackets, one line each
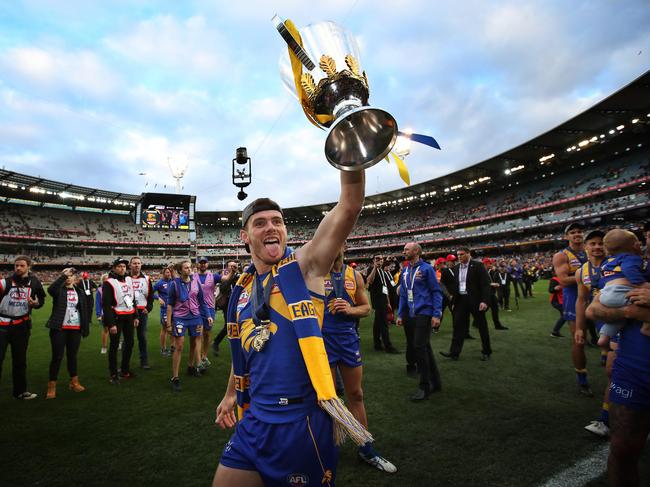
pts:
[401, 168]
[296, 67]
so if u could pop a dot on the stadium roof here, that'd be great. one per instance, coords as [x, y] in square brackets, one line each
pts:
[621, 117]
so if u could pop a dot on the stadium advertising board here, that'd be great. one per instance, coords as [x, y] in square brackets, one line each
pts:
[160, 211]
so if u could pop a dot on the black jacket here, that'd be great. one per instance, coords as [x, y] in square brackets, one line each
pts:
[477, 283]
[59, 294]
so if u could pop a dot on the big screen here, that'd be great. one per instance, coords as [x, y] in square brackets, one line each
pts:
[165, 211]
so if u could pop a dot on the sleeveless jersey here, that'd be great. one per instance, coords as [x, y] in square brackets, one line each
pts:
[280, 387]
[346, 283]
[575, 259]
[590, 277]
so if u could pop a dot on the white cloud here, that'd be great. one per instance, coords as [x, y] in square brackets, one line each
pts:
[184, 47]
[78, 72]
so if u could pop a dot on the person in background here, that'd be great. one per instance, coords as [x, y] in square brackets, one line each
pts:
[68, 322]
[208, 282]
[120, 318]
[185, 309]
[19, 295]
[229, 278]
[161, 288]
[144, 304]
[89, 287]
[99, 313]
[380, 285]
[555, 296]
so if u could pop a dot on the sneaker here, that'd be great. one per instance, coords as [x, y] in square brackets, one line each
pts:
[27, 396]
[585, 390]
[376, 460]
[114, 380]
[598, 428]
[103, 351]
[202, 369]
[145, 366]
[176, 384]
[206, 363]
[127, 375]
[193, 371]
[556, 334]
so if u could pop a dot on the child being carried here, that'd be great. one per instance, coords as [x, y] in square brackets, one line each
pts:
[621, 272]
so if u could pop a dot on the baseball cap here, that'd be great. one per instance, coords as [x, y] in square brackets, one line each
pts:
[594, 234]
[451, 258]
[120, 260]
[202, 259]
[260, 204]
[440, 260]
[84, 275]
[572, 226]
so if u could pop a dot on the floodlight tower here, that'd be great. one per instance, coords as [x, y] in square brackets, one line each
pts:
[178, 167]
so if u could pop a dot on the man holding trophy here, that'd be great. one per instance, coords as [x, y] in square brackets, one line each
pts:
[289, 420]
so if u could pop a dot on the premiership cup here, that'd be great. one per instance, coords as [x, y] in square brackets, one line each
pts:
[326, 76]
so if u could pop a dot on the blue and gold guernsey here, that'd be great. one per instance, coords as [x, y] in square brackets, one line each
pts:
[345, 280]
[570, 293]
[280, 387]
[282, 432]
[339, 330]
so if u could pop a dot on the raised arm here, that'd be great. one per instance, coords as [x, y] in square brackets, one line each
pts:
[316, 256]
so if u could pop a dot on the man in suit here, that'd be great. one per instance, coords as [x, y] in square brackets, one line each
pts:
[380, 284]
[469, 286]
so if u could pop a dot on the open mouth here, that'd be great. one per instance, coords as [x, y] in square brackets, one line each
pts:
[272, 246]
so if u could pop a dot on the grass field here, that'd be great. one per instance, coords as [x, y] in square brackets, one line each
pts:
[513, 421]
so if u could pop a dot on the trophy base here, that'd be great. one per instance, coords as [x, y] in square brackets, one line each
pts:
[360, 138]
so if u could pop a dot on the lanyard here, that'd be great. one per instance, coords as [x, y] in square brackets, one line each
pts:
[337, 282]
[415, 271]
[261, 296]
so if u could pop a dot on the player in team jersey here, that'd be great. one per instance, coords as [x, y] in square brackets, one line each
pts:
[281, 381]
[346, 302]
[588, 279]
[566, 262]
[161, 289]
[185, 310]
[208, 282]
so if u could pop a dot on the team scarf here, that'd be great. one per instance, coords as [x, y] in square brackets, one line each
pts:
[288, 277]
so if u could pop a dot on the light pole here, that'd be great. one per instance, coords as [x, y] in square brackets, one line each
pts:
[178, 167]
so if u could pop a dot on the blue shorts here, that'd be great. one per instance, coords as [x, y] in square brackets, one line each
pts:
[343, 348]
[629, 388]
[301, 453]
[207, 326]
[569, 297]
[179, 325]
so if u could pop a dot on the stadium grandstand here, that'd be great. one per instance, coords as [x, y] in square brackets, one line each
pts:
[593, 168]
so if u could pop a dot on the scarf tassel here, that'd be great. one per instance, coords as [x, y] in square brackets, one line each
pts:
[345, 425]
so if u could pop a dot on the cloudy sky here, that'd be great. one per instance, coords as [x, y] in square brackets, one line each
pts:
[96, 93]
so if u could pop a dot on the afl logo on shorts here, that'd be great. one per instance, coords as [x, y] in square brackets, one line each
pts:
[298, 480]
